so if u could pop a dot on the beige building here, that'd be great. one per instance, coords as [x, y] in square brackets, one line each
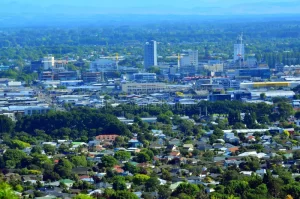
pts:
[190, 58]
[214, 67]
[143, 87]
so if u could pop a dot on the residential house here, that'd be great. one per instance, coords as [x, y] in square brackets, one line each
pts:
[231, 138]
[188, 147]
[204, 147]
[172, 147]
[175, 142]
[175, 185]
[135, 143]
[69, 183]
[107, 137]
[233, 162]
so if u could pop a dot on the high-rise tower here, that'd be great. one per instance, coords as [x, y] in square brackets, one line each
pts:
[239, 49]
[150, 54]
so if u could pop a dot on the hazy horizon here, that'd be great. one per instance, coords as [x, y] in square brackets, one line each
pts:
[204, 7]
[28, 13]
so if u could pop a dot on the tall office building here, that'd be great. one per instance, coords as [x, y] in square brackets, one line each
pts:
[150, 56]
[190, 58]
[239, 49]
[48, 62]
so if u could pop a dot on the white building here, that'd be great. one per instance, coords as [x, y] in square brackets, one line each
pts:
[48, 62]
[144, 77]
[190, 58]
[143, 87]
[239, 49]
[14, 84]
[214, 67]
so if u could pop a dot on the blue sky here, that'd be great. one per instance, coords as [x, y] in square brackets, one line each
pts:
[204, 7]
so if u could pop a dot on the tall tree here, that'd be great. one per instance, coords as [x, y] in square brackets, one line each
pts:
[6, 125]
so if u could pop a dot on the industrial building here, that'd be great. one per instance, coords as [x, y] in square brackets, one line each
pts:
[259, 85]
[219, 97]
[262, 73]
[143, 87]
[144, 77]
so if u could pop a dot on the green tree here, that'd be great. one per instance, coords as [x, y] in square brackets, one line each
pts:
[164, 192]
[285, 110]
[296, 154]
[297, 115]
[13, 155]
[122, 155]
[108, 161]
[163, 118]
[218, 133]
[6, 192]
[140, 179]
[190, 189]
[109, 193]
[131, 168]
[18, 144]
[119, 183]
[249, 119]
[63, 168]
[186, 127]
[36, 149]
[154, 69]
[292, 189]
[49, 149]
[273, 184]
[79, 161]
[142, 157]
[83, 196]
[152, 184]
[263, 96]
[234, 117]
[124, 195]
[6, 125]
[237, 187]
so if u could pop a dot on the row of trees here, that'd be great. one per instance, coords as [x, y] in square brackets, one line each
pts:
[85, 123]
